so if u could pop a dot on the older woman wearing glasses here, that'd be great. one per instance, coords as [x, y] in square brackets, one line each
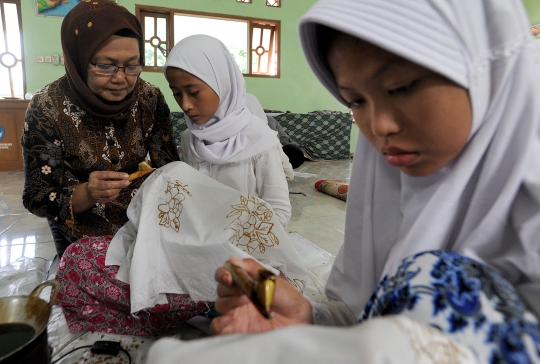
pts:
[84, 134]
[87, 131]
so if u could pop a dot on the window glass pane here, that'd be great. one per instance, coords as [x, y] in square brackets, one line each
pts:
[12, 30]
[148, 54]
[17, 74]
[274, 65]
[5, 90]
[233, 33]
[254, 62]
[160, 57]
[264, 63]
[266, 39]
[2, 42]
[256, 40]
[148, 27]
[162, 29]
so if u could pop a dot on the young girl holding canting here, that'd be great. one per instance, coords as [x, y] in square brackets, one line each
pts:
[442, 231]
[224, 139]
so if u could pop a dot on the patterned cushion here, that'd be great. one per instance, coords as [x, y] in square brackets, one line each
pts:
[335, 188]
[179, 125]
[321, 136]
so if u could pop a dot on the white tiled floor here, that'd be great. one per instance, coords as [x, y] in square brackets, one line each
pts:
[318, 217]
[21, 233]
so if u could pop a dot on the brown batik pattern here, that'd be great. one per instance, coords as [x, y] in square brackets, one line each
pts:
[62, 145]
[169, 212]
[252, 225]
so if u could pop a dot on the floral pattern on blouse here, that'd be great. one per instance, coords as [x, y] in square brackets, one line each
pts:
[465, 299]
[92, 299]
[62, 145]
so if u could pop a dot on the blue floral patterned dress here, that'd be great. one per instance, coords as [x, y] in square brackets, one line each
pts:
[465, 299]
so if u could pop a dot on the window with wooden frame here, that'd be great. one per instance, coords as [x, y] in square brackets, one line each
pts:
[12, 79]
[274, 3]
[156, 37]
[253, 43]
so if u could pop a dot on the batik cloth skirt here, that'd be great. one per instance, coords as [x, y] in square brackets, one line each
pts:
[464, 299]
[93, 300]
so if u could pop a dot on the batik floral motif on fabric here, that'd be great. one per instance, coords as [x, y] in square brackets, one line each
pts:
[170, 211]
[252, 225]
[92, 299]
[463, 298]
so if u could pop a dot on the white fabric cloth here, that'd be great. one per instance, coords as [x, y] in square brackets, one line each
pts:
[260, 175]
[255, 107]
[233, 133]
[287, 166]
[381, 340]
[486, 203]
[184, 225]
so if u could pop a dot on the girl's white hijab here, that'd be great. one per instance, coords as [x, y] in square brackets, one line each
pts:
[255, 107]
[233, 133]
[486, 203]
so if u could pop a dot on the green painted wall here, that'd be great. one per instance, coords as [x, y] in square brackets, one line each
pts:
[533, 8]
[296, 90]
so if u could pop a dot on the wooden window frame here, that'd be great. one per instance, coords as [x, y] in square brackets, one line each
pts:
[277, 4]
[169, 31]
[141, 10]
[262, 26]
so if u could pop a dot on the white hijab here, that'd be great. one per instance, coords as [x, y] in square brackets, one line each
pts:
[233, 133]
[255, 107]
[486, 203]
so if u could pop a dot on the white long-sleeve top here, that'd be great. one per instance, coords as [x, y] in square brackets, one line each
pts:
[261, 175]
[388, 340]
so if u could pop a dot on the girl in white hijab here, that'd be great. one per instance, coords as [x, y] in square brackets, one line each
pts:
[224, 139]
[255, 107]
[485, 202]
[443, 213]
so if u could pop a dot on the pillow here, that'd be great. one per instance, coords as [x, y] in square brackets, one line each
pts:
[335, 188]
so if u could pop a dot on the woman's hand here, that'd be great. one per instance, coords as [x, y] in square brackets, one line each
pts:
[102, 187]
[239, 315]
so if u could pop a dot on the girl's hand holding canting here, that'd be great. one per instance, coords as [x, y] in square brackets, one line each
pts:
[239, 315]
[102, 187]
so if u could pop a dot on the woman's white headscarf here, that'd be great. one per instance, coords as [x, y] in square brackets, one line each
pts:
[486, 203]
[233, 133]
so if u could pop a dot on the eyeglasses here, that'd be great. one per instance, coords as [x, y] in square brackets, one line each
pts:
[110, 69]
